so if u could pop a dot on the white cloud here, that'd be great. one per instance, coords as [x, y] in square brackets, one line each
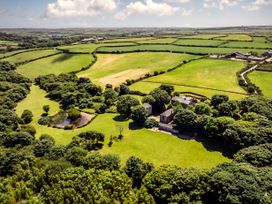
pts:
[221, 4]
[179, 1]
[186, 12]
[68, 8]
[147, 7]
[257, 4]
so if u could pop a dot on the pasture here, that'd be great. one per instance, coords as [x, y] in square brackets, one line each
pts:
[117, 68]
[262, 80]
[205, 73]
[158, 41]
[7, 54]
[26, 56]
[248, 45]
[146, 87]
[62, 63]
[127, 39]
[176, 48]
[155, 147]
[236, 37]
[191, 42]
[90, 48]
[204, 36]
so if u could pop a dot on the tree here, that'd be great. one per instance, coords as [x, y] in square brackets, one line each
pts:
[73, 114]
[20, 139]
[171, 184]
[168, 88]
[110, 94]
[148, 99]
[203, 109]
[137, 169]
[29, 129]
[46, 108]
[139, 115]
[150, 123]
[123, 90]
[76, 155]
[259, 156]
[185, 120]
[90, 140]
[125, 103]
[161, 98]
[227, 108]
[218, 99]
[27, 116]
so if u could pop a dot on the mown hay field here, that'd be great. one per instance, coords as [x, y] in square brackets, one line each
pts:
[236, 37]
[117, 68]
[57, 64]
[155, 147]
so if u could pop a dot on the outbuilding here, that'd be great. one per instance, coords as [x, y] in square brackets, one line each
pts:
[148, 108]
[167, 116]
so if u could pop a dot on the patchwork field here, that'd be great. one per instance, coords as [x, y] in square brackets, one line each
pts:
[155, 147]
[147, 87]
[2, 55]
[128, 39]
[204, 36]
[199, 42]
[117, 68]
[89, 48]
[176, 48]
[62, 63]
[262, 80]
[248, 45]
[204, 73]
[236, 37]
[158, 40]
[26, 56]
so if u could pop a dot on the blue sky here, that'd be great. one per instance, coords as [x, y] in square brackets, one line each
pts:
[133, 13]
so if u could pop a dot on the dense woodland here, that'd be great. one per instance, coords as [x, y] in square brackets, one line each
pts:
[33, 169]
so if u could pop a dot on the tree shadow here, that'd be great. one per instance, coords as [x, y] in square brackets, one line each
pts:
[120, 118]
[134, 126]
[62, 58]
[213, 145]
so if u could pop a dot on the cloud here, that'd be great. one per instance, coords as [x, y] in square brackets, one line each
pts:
[3, 11]
[147, 7]
[179, 1]
[186, 12]
[257, 4]
[221, 4]
[69, 8]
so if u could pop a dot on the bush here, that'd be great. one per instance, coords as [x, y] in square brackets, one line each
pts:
[27, 116]
[44, 121]
[74, 114]
[150, 123]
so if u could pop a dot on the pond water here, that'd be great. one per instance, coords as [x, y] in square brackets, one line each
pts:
[78, 123]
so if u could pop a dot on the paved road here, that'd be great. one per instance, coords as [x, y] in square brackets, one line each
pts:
[245, 72]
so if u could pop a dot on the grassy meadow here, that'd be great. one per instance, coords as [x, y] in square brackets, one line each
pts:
[62, 63]
[204, 36]
[176, 48]
[199, 42]
[117, 68]
[248, 45]
[236, 37]
[262, 80]
[208, 73]
[25, 56]
[155, 147]
[157, 40]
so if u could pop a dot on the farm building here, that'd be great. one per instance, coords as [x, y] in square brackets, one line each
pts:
[168, 128]
[88, 40]
[237, 55]
[267, 54]
[148, 108]
[184, 100]
[167, 116]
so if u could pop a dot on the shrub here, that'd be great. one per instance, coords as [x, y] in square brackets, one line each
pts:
[150, 123]
[44, 121]
[74, 114]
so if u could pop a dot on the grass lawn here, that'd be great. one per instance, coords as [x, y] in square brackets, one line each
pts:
[155, 147]
[117, 68]
[199, 42]
[204, 36]
[147, 87]
[176, 48]
[209, 73]
[91, 47]
[248, 45]
[262, 80]
[62, 63]
[236, 37]
[29, 56]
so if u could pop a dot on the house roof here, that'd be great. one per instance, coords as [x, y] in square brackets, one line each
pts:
[184, 100]
[168, 113]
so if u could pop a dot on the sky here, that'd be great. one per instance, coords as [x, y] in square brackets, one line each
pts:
[133, 13]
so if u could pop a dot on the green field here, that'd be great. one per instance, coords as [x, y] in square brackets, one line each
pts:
[117, 68]
[62, 63]
[147, 87]
[155, 147]
[199, 42]
[158, 40]
[128, 39]
[259, 39]
[2, 55]
[208, 73]
[248, 45]
[262, 80]
[89, 48]
[176, 48]
[236, 37]
[204, 36]
[26, 56]
[4, 42]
